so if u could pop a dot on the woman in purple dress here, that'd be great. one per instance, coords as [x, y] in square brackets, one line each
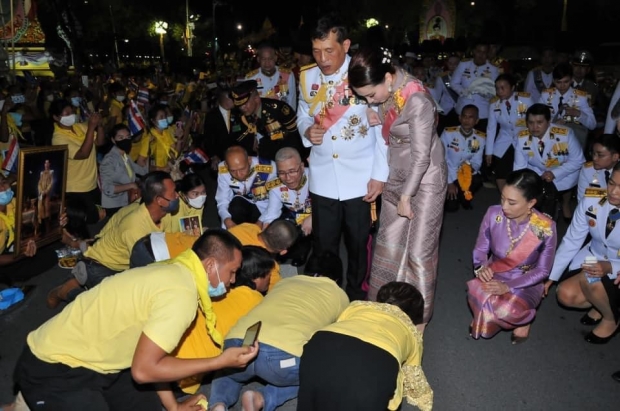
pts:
[513, 255]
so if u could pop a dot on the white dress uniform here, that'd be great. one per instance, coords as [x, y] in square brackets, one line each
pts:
[595, 180]
[536, 82]
[253, 189]
[573, 98]
[610, 123]
[281, 86]
[561, 154]
[589, 218]
[510, 115]
[443, 94]
[352, 152]
[296, 201]
[461, 149]
[466, 72]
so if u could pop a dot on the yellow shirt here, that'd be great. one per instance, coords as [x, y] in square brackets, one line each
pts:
[140, 148]
[247, 234]
[196, 342]
[81, 174]
[293, 310]
[101, 328]
[179, 242]
[389, 328]
[116, 110]
[7, 226]
[171, 223]
[117, 217]
[162, 142]
[114, 248]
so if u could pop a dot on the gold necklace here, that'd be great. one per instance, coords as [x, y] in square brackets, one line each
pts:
[514, 241]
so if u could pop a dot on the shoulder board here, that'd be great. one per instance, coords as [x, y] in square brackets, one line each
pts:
[549, 90]
[581, 92]
[451, 129]
[524, 94]
[480, 133]
[595, 192]
[306, 67]
[263, 168]
[524, 133]
[602, 201]
[222, 169]
[559, 130]
[284, 70]
[494, 99]
[273, 183]
[252, 73]
[588, 164]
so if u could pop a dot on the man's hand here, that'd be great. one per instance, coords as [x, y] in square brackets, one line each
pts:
[489, 160]
[239, 357]
[94, 120]
[191, 404]
[452, 191]
[374, 189]
[31, 248]
[572, 111]
[229, 223]
[548, 176]
[315, 134]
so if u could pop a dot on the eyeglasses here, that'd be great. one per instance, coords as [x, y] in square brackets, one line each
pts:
[291, 173]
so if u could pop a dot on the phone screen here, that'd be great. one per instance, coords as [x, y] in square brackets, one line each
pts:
[251, 334]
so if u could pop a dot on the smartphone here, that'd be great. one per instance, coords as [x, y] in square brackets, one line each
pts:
[251, 335]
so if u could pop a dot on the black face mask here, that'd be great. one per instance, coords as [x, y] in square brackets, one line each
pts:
[124, 145]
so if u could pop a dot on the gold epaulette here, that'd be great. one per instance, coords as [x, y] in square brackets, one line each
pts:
[273, 183]
[524, 133]
[284, 70]
[595, 192]
[524, 94]
[559, 130]
[263, 168]
[581, 93]
[252, 73]
[549, 90]
[588, 164]
[494, 99]
[480, 133]
[222, 169]
[451, 129]
[308, 66]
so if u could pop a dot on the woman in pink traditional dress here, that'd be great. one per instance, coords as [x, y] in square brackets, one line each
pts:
[413, 197]
[513, 256]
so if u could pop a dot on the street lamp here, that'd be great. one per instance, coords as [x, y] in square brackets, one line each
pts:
[239, 27]
[161, 28]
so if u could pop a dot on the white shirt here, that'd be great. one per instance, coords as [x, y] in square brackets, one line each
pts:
[461, 149]
[277, 86]
[530, 83]
[297, 201]
[466, 72]
[226, 116]
[573, 98]
[510, 122]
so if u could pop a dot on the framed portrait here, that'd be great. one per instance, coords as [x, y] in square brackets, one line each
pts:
[191, 226]
[42, 180]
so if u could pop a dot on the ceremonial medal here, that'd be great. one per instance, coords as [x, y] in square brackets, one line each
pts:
[354, 120]
[330, 104]
[347, 133]
[592, 223]
[363, 130]
[498, 218]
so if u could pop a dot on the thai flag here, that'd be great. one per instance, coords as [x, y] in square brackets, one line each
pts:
[143, 96]
[10, 157]
[135, 120]
[196, 156]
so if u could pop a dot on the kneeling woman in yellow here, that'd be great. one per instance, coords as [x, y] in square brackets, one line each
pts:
[193, 195]
[374, 343]
[166, 141]
[7, 225]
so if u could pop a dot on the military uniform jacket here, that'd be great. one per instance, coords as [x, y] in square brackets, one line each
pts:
[276, 127]
[572, 98]
[463, 76]
[510, 116]
[589, 87]
[253, 189]
[352, 152]
[461, 149]
[443, 93]
[281, 86]
[589, 218]
[296, 203]
[591, 178]
[536, 82]
[562, 155]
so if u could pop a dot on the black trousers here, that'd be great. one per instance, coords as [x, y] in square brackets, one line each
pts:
[453, 205]
[89, 200]
[243, 211]
[55, 387]
[330, 219]
[342, 373]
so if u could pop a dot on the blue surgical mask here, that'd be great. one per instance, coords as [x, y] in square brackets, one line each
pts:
[17, 118]
[170, 119]
[75, 101]
[7, 196]
[162, 124]
[220, 289]
[172, 207]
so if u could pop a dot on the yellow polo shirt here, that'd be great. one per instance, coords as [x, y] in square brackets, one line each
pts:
[7, 226]
[171, 223]
[293, 311]
[114, 248]
[81, 174]
[141, 147]
[162, 142]
[100, 329]
[116, 110]
[247, 234]
[118, 216]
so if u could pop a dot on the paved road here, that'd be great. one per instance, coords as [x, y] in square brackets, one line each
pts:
[554, 370]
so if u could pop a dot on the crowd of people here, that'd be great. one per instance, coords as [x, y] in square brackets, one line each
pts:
[158, 304]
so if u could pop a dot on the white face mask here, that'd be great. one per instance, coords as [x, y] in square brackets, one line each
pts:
[50, 98]
[120, 98]
[197, 202]
[67, 121]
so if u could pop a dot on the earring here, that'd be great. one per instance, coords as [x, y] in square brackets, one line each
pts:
[390, 88]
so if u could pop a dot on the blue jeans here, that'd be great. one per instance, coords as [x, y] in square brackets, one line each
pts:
[279, 370]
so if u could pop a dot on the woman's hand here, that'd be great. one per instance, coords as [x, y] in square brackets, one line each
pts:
[598, 269]
[495, 287]
[452, 192]
[31, 248]
[373, 117]
[548, 285]
[404, 207]
[489, 160]
[485, 274]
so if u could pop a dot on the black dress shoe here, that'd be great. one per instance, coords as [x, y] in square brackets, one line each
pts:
[595, 339]
[616, 376]
[587, 320]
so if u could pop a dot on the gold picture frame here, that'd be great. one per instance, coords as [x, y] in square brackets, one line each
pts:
[41, 186]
